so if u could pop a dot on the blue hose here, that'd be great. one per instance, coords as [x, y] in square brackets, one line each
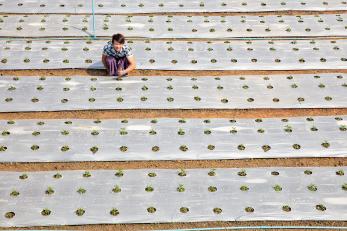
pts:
[93, 13]
[258, 227]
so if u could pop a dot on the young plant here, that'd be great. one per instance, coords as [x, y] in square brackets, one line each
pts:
[123, 132]
[35, 147]
[57, 176]
[217, 210]
[152, 174]
[184, 209]
[119, 173]
[296, 146]
[49, 191]
[80, 212]
[46, 212]
[87, 174]
[182, 172]
[212, 188]
[321, 207]
[180, 188]
[151, 210]
[183, 148]
[181, 132]
[94, 149]
[23, 176]
[266, 148]
[242, 173]
[212, 172]
[116, 189]
[277, 188]
[114, 212]
[149, 189]
[249, 209]
[81, 191]
[325, 144]
[14, 193]
[288, 128]
[155, 149]
[65, 148]
[312, 188]
[9, 215]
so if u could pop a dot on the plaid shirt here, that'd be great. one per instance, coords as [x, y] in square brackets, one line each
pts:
[110, 51]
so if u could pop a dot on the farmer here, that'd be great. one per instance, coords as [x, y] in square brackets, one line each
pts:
[117, 57]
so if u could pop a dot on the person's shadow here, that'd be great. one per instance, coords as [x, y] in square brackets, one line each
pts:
[96, 69]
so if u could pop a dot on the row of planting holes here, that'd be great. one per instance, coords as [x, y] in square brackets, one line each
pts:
[192, 79]
[169, 100]
[115, 211]
[300, 20]
[201, 4]
[170, 87]
[169, 17]
[188, 42]
[181, 132]
[190, 49]
[180, 188]
[170, 29]
[174, 61]
[181, 121]
[183, 148]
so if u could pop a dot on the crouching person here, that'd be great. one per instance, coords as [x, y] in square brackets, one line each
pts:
[117, 57]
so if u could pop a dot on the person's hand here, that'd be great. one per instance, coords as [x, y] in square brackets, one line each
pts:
[121, 73]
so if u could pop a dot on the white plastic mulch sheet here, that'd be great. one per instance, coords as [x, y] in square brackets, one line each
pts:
[155, 92]
[180, 55]
[157, 6]
[171, 139]
[158, 195]
[175, 26]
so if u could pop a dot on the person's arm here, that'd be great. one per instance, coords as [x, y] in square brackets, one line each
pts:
[132, 65]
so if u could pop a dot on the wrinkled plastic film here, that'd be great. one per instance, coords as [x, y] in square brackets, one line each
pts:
[157, 6]
[179, 55]
[171, 139]
[132, 196]
[328, 90]
[174, 26]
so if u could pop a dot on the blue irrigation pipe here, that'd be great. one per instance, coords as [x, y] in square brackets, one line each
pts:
[258, 227]
[93, 13]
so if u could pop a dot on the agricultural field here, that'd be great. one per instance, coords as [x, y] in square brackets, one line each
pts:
[235, 117]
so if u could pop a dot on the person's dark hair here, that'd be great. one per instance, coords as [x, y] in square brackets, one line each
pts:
[118, 38]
